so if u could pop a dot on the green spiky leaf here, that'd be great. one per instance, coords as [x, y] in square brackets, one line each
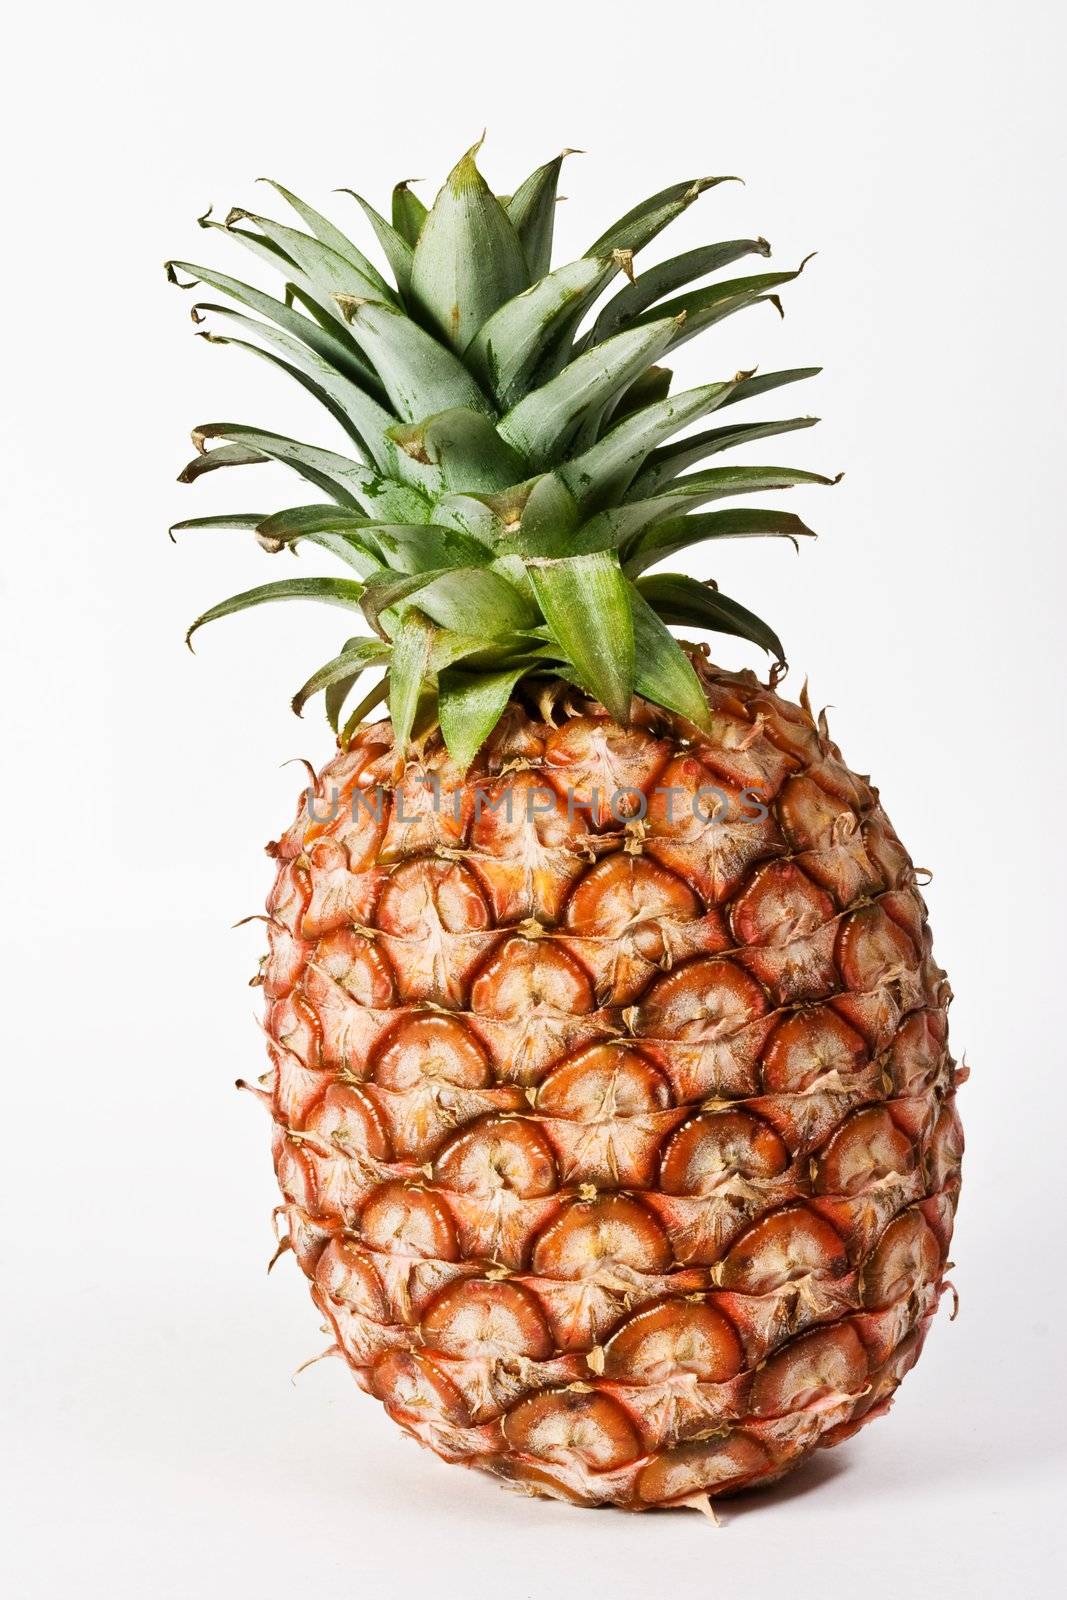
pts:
[465, 445]
[544, 422]
[246, 520]
[666, 276]
[490, 546]
[330, 235]
[343, 670]
[603, 471]
[332, 344]
[334, 591]
[409, 213]
[664, 674]
[420, 376]
[665, 465]
[673, 534]
[532, 213]
[586, 605]
[324, 268]
[506, 350]
[470, 705]
[396, 249]
[703, 307]
[408, 666]
[361, 417]
[681, 600]
[345, 481]
[642, 223]
[468, 259]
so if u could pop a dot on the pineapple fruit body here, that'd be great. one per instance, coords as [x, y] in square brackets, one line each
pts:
[613, 1111]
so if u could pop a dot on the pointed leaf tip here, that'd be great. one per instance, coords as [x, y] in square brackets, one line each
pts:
[469, 258]
[466, 170]
[624, 260]
[698, 186]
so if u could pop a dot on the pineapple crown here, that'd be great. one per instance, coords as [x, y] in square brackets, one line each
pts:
[512, 470]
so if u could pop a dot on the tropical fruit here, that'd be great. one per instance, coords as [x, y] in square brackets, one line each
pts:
[613, 1109]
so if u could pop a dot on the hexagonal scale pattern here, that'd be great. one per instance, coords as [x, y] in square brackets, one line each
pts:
[617, 1135]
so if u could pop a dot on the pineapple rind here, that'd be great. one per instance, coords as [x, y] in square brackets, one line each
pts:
[621, 1152]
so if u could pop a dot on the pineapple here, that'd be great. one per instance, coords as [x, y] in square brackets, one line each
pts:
[612, 1106]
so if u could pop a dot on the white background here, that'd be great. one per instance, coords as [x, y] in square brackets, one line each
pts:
[155, 1444]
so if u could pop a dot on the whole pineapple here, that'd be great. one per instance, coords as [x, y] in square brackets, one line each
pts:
[613, 1109]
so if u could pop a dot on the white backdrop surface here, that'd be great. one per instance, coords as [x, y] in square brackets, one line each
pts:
[154, 1443]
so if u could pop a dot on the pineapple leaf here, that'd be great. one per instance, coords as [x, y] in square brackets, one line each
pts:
[468, 513]
[665, 465]
[468, 260]
[335, 347]
[420, 376]
[450, 647]
[227, 455]
[335, 591]
[706, 306]
[683, 601]
[585, 603]
[408, 666]
[716, 483]
[469, 600]
[327, 272]
[464, 444]
[345, 481]
[762, 383]
[323, 229]
[532, 212]
[356, 656]
[642, 223]
[297, 522]
[364, 420]
[507, 348]
[372, 698]
[679, 533]
[330, 389]
[652, 386]
[542, 423]
[409, 213]
[246, 520]
[478, 601]
[385, 593]
[664, 673]
[334, 528]
[604, 471]
[617, 525]
[337, 693]
[549, 516]
[406, 548]
[298, 285]
[470, 705]
[666, 276]
[395, 247]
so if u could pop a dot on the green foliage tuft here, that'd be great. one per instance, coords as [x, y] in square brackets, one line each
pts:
[513, 460]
